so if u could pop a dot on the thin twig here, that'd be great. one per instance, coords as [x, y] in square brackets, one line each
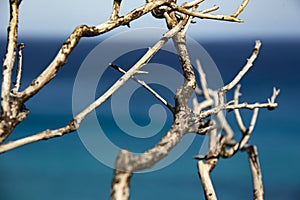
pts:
[274, 95]
[245, 69]
[237, 114]
[146, 86]
[214, 8]
[191, 4]
[204, 15]
[241, 8]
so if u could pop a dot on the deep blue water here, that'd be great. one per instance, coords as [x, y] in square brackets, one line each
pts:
[62, 168]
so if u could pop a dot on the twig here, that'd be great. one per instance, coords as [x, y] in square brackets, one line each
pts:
[214, 8]
[241, 8]
[146, 86]
[274, 95]
[203, 15]
[236, 111]
[245, 69]
[191, 4]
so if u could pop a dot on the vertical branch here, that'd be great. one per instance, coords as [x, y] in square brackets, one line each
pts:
[120, 185]
[258, 189]
[203, 172]
[9, 58]
[236, 111]
[115, 10]
[19, 69]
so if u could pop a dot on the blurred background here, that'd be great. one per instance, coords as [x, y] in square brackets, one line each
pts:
[62, 168]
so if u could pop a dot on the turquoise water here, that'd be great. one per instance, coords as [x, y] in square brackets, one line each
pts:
[62, 168]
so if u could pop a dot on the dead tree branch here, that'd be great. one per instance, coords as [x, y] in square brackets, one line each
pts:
[222, 142]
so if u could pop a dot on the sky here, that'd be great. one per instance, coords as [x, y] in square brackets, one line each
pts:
[59, 18]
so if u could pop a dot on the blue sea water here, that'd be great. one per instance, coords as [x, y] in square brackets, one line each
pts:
[62, 168]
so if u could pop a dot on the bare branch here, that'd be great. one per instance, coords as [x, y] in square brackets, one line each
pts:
[9, 58]
[186, 120]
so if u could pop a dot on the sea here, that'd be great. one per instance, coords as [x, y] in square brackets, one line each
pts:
[66, 168]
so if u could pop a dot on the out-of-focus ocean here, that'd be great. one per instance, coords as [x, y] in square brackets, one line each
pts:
[62, 168]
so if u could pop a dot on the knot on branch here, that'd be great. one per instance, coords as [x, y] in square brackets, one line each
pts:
[15, 2]
[74, 124]
[158, 12]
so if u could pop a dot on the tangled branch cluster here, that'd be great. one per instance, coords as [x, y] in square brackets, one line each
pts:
[186, 119]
